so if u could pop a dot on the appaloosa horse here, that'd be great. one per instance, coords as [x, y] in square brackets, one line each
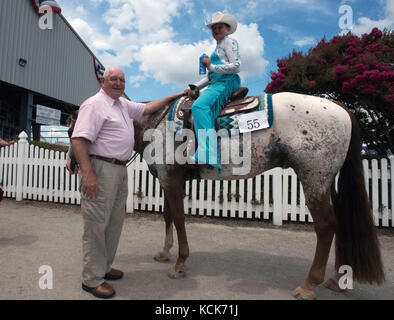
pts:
[317, 138]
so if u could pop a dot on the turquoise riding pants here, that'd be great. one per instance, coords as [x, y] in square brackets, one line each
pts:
[205, 110]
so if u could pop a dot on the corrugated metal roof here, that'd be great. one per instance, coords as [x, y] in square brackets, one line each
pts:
[59, 64]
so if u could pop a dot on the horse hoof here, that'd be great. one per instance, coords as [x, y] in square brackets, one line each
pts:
[332, 284]
[302, 294]
[177, 272]
[162, 257]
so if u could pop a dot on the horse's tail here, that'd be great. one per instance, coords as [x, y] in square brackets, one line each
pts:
[357, 244]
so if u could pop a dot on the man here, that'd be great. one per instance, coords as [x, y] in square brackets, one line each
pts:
[103, 141]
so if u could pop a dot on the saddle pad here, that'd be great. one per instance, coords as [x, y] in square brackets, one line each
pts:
[227, 121]
[230, 122]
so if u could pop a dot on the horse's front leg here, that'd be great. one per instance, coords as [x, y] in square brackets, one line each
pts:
[164, 256]
[174, 195]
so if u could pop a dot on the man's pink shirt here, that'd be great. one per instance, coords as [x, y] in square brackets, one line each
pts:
[108, 125]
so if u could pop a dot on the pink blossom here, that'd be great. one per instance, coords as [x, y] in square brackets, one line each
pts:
[284, 70]
[368, 89]
[376, 33]
[341, 69]
[360, 68]
[347, 87]
[359, 79]
[389, 98]
[351, 51]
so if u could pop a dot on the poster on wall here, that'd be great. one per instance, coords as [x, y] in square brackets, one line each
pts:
[98, 69]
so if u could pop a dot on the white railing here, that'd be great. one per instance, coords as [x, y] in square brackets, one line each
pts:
[29, 172]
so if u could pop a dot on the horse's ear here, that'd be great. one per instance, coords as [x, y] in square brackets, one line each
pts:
[75, 114]
[72, 118]
[194, 92]
[69, 120]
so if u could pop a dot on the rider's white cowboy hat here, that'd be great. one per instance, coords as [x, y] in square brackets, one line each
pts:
[219, 17]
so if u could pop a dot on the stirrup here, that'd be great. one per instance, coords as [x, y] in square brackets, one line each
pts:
[186, 152]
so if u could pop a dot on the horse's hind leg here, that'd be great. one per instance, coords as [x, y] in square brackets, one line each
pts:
[325, 224]
[333, 283]
[165, 255]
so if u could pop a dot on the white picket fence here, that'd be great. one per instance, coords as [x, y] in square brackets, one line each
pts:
[29, 172]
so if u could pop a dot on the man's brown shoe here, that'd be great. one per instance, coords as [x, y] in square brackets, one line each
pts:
[104, 290]
[113, 274]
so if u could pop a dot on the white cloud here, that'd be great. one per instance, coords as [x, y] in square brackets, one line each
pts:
[251, 5]
[132, 24]
[80, 10]
[124, 45]
[141, 31]
[171, 62]
[84, 30]
[251, 45]
[365, 25]
[142, 15]
[121, 18]
[293, 37]
[307, 41]
[96, 2]
[153, 14]
[174, 63]
[136, 80]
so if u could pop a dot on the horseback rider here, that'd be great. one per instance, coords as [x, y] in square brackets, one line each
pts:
[222, 79]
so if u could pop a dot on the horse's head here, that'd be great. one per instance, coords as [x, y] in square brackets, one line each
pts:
[72, 118]
[149, 121]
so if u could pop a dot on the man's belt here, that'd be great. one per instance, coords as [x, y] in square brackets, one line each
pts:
[111, 160]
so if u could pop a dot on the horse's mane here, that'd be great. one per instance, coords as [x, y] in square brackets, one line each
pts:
[149, 121]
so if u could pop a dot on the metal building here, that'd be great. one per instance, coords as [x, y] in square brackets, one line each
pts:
[44, 62]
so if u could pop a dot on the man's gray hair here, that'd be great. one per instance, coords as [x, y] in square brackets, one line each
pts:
[107, 71]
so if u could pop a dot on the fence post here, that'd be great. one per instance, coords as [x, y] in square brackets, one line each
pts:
[278, 197]
[22, 143]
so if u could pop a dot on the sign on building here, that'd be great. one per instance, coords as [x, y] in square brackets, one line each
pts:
[48, 116]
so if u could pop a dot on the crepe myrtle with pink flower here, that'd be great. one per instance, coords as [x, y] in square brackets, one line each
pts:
[357, 71]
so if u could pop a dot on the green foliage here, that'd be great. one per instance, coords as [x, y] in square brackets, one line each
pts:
[49, 146]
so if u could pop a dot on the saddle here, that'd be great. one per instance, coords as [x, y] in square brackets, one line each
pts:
[238, 102]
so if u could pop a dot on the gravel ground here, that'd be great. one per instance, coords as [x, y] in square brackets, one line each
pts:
[229, 259]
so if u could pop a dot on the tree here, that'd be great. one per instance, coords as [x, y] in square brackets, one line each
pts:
[357, 71]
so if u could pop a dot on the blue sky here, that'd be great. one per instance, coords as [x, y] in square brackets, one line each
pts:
[157, 43]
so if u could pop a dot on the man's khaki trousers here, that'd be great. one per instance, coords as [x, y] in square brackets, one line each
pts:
[103, 219]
